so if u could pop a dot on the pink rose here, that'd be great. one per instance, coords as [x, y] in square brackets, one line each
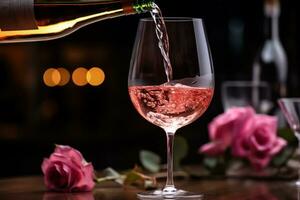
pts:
[67, 171]
[250, 135]
[263, 143]
[224, 128]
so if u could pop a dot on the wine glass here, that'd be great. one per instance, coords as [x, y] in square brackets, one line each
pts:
[291, 110]
[247, 93]
[171, 98]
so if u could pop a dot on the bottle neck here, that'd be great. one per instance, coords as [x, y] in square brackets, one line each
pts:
[272, 12]
[137, 6]
[272, 28]
[141, 6]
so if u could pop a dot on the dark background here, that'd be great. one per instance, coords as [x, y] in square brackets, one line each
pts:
[100, 121]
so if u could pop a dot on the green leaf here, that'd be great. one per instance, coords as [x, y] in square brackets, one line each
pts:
[150, 161]
[111, 174]
[288, 135]
[216, 165]
[281, 158]
[180, 150]
[210, 162]
[134, 177]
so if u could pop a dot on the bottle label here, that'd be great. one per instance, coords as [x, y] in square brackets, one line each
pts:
[17, 15]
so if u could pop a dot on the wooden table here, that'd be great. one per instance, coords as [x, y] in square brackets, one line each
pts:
[32, 188]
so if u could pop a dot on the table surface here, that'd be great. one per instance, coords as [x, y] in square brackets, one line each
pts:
[32, 188]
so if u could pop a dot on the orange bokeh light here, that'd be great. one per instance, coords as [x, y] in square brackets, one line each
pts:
[95, 76]
[79, 76]
[64, 76]
[51, 77]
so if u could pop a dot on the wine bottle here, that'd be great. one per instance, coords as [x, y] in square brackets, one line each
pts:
[38, 20]
[270, 64]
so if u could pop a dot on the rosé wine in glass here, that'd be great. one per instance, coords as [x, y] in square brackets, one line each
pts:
[170, 107]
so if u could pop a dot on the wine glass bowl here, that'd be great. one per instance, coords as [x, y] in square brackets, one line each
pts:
[290, 108]
[171, 98]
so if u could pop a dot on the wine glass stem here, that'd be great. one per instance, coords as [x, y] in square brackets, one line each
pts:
[170, 188]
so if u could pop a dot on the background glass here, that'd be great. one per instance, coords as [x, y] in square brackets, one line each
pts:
[291, 110]
[171, 105]
[246, 93]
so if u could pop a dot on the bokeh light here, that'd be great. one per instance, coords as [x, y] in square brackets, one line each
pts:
[64, 76]
[79, 76]
[51, 77]
[95, 76]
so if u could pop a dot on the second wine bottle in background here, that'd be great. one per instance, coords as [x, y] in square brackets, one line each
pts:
[270, 64]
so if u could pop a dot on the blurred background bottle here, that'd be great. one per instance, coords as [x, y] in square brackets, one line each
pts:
[37, 20]
[271, 63]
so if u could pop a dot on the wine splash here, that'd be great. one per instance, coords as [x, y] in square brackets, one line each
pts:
[170, 107]
[163, 39]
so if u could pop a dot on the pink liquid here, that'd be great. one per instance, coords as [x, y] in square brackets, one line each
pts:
[170, 107]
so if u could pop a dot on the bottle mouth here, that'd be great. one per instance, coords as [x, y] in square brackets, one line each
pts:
[141, 6]
[272, 1]
[272, 8]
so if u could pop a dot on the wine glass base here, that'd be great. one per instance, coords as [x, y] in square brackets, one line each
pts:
[179, 194]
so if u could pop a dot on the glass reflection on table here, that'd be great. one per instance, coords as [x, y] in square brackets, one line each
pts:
[68, 196]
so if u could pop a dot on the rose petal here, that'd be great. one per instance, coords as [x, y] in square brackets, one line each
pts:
[86, 183]
[230, 116]
[267, 121]
[212, 149]
[69, 152]
[277, 146]
[262, 140]
[55, 157]
[45, 165]
[265, 134]
[54, 179]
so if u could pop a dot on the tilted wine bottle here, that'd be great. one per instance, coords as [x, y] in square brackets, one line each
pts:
[271, 64]
[38, 20]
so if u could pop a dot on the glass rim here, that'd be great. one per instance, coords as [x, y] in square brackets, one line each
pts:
[172, 19]
[244, 84]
